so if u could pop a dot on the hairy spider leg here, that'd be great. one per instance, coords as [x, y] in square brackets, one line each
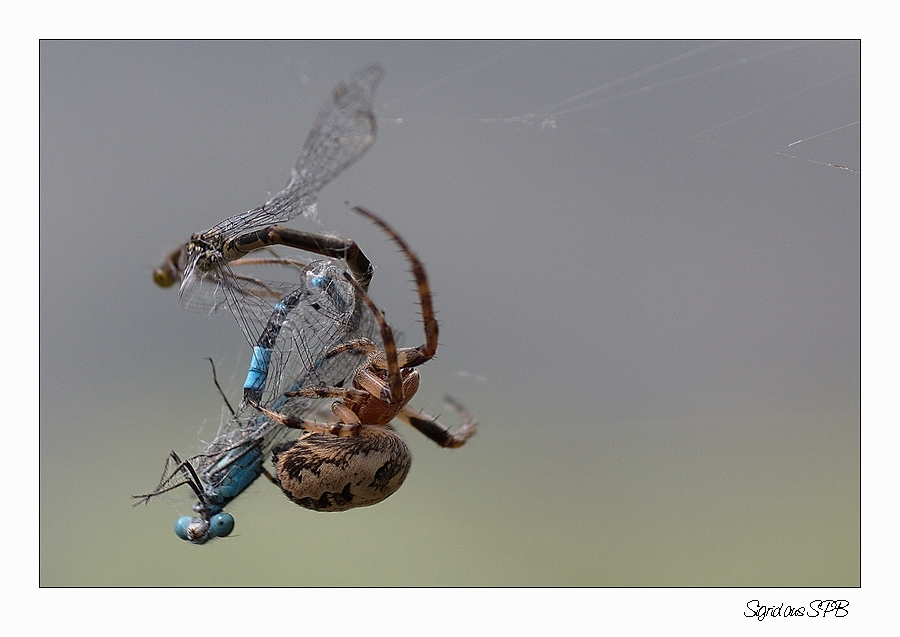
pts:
[398, 390]
[434, 430]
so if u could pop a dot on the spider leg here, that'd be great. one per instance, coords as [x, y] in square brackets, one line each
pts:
[335, 429]
[438, 432]
[275, 259]
[423, 352]
[361, 343]
[329, 392]
[389, 361]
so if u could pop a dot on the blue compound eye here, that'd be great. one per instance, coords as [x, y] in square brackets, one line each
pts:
[221, 525]
[181, 526]
[192, 529]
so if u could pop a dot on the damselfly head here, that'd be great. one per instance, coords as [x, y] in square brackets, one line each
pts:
[200, 531]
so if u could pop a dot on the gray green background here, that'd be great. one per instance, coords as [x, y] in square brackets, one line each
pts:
[648, 294]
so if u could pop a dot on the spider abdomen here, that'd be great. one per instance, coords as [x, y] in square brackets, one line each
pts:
[324, 472]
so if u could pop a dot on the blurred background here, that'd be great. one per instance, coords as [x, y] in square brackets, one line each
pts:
[645, 258]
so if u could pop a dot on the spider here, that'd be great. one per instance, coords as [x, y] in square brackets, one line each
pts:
[360, 460]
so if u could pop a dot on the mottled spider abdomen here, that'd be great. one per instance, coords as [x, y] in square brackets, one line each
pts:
[324, 472]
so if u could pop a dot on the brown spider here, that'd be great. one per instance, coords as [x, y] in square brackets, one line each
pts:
[360, 460]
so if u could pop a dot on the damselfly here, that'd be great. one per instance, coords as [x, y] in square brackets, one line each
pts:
[322, 312]
[342, 132]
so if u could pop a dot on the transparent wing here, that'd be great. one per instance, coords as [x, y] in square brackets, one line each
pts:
[343, 130]
[249, 298]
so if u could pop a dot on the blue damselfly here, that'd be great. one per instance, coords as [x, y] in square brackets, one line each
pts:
[321, 313]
